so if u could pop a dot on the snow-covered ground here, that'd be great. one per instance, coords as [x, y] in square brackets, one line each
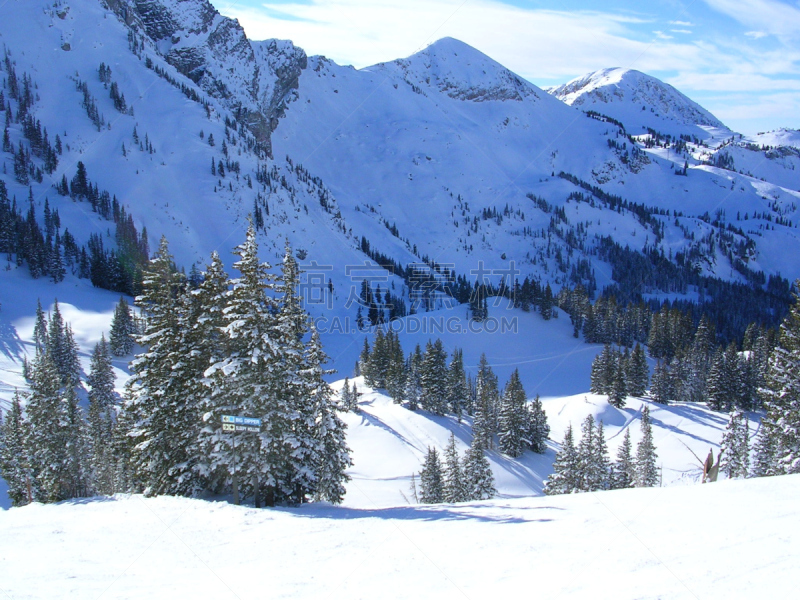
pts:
[733, 539]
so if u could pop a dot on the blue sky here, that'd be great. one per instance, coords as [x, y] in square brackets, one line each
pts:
[738, 58]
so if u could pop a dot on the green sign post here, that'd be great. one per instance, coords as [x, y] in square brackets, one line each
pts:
[232, 424]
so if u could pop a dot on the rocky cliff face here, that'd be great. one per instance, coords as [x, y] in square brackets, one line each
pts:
[255, 79]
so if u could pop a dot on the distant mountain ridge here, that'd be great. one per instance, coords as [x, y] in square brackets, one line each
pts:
[620, 93]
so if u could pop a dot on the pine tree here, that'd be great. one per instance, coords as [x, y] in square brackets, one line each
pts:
[512, 419]
[155, 395]
[332, 456]
[781, 396]
[56, 443]
[735, 446]
[618, 391]
[454, 485]
[413, 391]
[430, 479]
[593, 465]
[40, 329]
[484, 424]
[646, 472]
[396, 368]
[636, 376]
[122, 330]
[346, 397]
[624, 468]
[14, 458]
[364, 364]
[478, 478]
[433, 378]
[247, 380]
[538, 430]
[457, 389]
[566, 469]
[102, 400]
[294, 390]
[662, 385]
[765, 463]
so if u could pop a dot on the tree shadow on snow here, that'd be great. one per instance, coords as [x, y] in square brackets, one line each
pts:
[428, 512]
[10, 343]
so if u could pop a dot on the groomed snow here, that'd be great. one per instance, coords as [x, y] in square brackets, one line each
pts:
[736, 539]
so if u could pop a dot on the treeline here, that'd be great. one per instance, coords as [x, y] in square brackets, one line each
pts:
[776, 448]
[49, 252]
[425, 379]
[587, 468]
[51, 450]
[240, 347]
[453, 478]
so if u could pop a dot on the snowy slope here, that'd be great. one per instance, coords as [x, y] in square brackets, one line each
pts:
[736, 539]
[638, 101]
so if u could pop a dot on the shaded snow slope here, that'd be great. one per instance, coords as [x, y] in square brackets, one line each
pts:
[735, 539]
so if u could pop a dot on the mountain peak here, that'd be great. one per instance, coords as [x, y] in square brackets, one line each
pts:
[635, 98]
[463, 73]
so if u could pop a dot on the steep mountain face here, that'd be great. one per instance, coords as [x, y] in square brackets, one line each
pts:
[637, 100]
[254, 80]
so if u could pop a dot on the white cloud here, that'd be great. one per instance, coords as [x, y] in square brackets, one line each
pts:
[770, 16]
[662, 36]
[537, 44]
[756, 34]
[681, 31]
[682, 23]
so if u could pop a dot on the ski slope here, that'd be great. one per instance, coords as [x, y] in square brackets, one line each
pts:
[733, 539]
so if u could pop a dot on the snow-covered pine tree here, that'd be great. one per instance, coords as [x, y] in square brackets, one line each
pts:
[538, 431]
[566, 469]
[102, 400]
[765, 463]
[40, 329]
[14, 458]
[781, 397]
[457, 390]
[56, 443]
[454, 489]
[433, 378]
[122, 329]
[624, 469]
[413, 392]
[396, 368]
[364, 365]
[154, 397]
[603, 368]
[593, 465]
[484, 425]
[636, 376]
[662, 385]
[646, 472]
[332, 456]
[200, 343]
[478, 477]
[513, 417]
[735, 446]
[346, 396]
[295, 389]
[618, 391]
[431, 485]
[600, 474]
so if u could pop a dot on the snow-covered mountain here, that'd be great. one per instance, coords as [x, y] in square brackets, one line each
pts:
[637, 100]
